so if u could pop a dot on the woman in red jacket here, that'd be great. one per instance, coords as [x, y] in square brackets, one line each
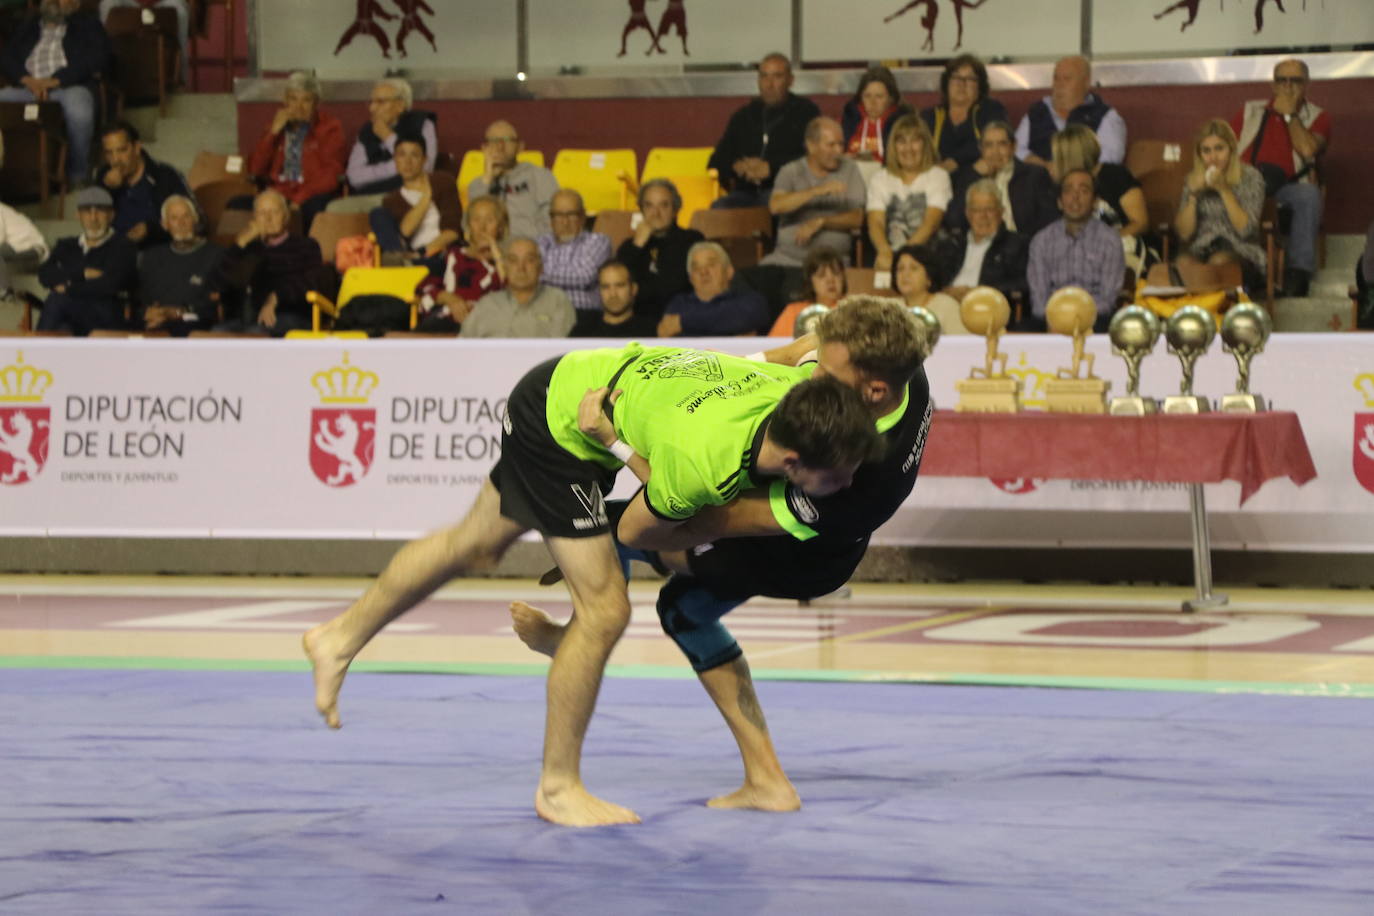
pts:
[302, 154]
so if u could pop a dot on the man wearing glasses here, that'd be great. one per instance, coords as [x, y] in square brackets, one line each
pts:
[572, 255]
[371, 169]
[1284, 137]
[525, 188]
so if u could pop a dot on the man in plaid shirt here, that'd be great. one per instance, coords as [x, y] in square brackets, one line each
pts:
[1077, 250]
[572, 255]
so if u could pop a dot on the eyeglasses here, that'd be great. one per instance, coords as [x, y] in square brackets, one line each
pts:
[1290, 80]
[963, 79]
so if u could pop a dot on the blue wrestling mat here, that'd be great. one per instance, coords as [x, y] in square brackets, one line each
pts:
[207, 791]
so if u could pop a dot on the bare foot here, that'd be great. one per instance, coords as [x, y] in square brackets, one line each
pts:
[535, 628]
[576, 807]
[777, 796]
[329, 667]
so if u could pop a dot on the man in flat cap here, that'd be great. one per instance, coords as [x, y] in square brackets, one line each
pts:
[90, 275]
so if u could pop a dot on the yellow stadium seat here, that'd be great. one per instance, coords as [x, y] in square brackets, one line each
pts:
[475, 163]
[601, 176]
[686, 168]
[369, 281]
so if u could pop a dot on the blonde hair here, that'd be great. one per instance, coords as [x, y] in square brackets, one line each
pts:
[502, 216]
[1073, 149]
[907, 126]
[1216, 127]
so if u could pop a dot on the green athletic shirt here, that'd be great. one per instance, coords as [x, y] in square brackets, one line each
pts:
[697, 417]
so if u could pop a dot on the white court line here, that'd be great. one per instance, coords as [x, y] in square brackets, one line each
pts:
[243, 617]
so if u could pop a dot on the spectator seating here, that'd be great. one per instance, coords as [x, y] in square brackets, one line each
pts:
[209, 166]
[369, 281]
[146, 52]
[35, 152]
[686, 168]
[329, 228]
[863, 280]
[595, 174]
[212, 198]
[616, 225]
[475, 163]
[742, 231]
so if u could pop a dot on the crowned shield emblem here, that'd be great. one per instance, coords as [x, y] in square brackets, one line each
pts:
[342, 444]
[23, 443]
[1363, 455]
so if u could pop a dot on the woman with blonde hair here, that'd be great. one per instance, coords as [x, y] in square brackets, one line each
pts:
[908, 198]
[1219, 213]
[1120, 199]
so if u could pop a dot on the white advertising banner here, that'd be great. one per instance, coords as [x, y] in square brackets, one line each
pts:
[1173, 28]
[384, 439]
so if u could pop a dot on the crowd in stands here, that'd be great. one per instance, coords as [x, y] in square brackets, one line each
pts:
[935, 202]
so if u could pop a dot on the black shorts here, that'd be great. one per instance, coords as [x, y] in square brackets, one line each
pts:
[542, 485]
[775, 567]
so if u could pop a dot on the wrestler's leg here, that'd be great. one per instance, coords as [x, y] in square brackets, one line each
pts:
[601, 611]
[414, 573]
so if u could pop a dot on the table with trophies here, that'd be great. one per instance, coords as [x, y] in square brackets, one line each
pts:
[1086, 435]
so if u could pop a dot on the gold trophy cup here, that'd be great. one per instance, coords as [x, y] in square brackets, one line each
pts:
[1071, 312]
[1133, 333]
[988, 390]
[1245, 328]
[1189, 331]
[929, 323]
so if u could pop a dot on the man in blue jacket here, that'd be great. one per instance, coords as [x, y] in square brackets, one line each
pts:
[58, 56]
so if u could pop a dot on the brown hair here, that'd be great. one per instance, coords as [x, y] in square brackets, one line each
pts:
[877, 75]
[880, 334]
[907, 125]
[818, 259]
[1074, 148]
[827, 424]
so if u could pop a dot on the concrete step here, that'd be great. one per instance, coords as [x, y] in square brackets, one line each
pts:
[1313, 314]
[220, 106]
[1344, 250]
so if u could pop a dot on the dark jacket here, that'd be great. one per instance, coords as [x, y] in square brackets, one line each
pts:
[1004, 266]
[288, 269]
[785, 127]
[1042, 127]
[142, 201]
[86, 45]
[659, 268]
[1034, 201]
[116, 259]
[410, 124]
[962, 143]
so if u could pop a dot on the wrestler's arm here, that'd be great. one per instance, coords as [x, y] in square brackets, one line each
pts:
[791, 354]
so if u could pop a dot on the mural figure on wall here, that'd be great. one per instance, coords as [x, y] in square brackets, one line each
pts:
[674, 16]
[638, 20]
[1191, 8]
[932, 14]
[411, 22]
[365, 23]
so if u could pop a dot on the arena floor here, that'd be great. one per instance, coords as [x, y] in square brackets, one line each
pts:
[1215, 762]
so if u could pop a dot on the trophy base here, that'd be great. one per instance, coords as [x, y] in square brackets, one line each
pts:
[1077, 395]
[988, 395]
[1187, 403]
[1242, 403]
[1133, 406]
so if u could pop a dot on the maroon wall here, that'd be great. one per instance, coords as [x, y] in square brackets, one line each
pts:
[1169, 113]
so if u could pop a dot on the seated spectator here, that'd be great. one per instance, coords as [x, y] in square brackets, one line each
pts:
[617, 316]
[1070, 101]
[177, 279]
[1219, 214]
[868, 117]
[59, 55]
[1076, 250]
[1120, 200]
[470, 271]
[1029, 196]
[301, 154]
[824, 276]
[908, 198]
[90, 275]
[987, 253]
[1285, 137]
[183, 25]
[712, 308]
[525, 188]
[22, 246]
[657, 253]
[965, 109]
[573, 256]
[762, 137]
[273, 267]
[916, 277]
[139, 184]
[1364, 283]
[371, 169]
[419, 220]
[819, 202]
[527, 307]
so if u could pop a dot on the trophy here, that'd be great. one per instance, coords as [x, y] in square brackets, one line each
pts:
[1071, 311]
[929, 326]
[807, 318]
[1244, 330]
[1133, 333]
[988, 390]
[1189, 331]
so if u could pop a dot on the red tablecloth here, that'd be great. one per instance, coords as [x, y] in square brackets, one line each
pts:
[1205, 448]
